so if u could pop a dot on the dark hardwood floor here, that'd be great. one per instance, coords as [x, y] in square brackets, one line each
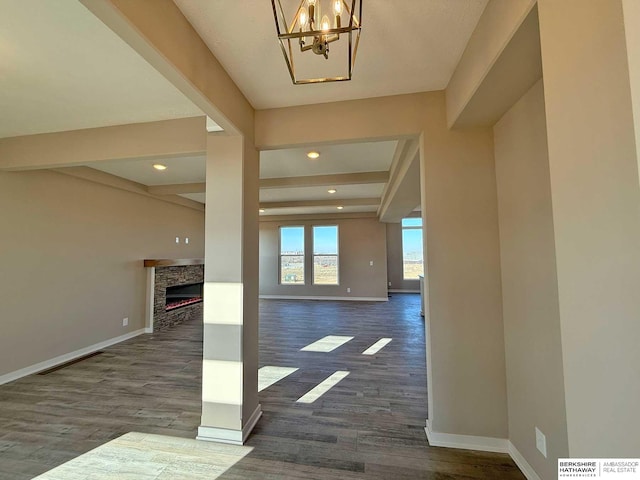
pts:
[370, 425]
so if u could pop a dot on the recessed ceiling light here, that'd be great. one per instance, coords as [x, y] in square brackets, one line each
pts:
[159, 166]
[332, 190]
[340, 207]
[313, 154]
[261, 210]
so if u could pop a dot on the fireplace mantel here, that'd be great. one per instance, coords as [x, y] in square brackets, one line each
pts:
[172, 262]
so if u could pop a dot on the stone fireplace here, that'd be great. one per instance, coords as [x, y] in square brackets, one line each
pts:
[174, 292]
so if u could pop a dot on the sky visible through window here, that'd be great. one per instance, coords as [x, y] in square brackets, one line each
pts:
[325, 240]
[412, 258]
[292, 240]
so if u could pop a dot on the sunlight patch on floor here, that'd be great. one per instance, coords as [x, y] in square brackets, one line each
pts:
[147, 456]
[326, 344]
[376, 347]
[268, 375]
[323, 387]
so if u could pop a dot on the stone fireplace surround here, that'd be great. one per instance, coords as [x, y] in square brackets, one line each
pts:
[163, 273]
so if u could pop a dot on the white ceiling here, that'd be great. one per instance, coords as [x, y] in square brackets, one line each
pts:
[371, 190]
[318, 210]
[62, 69]
[179, 170]
[345, 158]
[242, 36]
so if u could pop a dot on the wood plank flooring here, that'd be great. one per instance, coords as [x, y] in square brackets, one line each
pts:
[370, 425]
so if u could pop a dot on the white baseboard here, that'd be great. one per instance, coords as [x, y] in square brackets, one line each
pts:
[484, 444]
[233, 437]
[253, 419]
[466, 442]
[321, 297]
[522, 464]
[148, 330]
[38, 367]
[399, 290]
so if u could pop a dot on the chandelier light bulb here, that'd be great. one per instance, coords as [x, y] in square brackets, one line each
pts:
[302, 18]
[324, 25]
[312, 11]
[337, 8]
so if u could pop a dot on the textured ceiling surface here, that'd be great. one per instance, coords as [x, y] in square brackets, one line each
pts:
[395, 35]
[62, 69]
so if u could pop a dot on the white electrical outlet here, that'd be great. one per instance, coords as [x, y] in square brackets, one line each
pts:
[186, 240]
[177, 239]
[389, 283]
[348, 290]
[371, 263]
[541, 442]
[125, 321]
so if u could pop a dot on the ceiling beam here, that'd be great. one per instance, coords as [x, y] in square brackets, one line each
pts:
[347, 202]
[159, 32]
[167, 138]
[103, 178]
[177, 188]
[402, 194]
[326, 180]
[380, 118]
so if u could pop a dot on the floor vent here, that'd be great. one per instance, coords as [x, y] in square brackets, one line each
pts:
[70, 362]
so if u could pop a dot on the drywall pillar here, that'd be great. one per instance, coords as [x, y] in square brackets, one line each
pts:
[596, 213]
[466, 376]
[230, 406]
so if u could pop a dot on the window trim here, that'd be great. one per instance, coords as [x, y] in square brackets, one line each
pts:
[304, 256]
[313, 256]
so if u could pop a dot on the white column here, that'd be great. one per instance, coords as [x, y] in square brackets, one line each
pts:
[230, 406]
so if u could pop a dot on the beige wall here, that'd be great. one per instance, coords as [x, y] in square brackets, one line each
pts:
[464, 320]
[361, 240]
[535, 385]
[632, 31]
[71, 254]
[394, 261]
[596, 200]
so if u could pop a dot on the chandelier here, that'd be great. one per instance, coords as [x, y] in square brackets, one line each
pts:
[332, 35]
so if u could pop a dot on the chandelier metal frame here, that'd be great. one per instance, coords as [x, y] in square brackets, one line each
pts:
[317, 40]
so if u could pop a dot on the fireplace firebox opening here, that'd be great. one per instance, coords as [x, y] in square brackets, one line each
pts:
[179, 296]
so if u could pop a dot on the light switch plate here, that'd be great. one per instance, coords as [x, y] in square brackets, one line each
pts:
[541, 442]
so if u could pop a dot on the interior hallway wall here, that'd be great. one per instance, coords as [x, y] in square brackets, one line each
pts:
[535, 384]
[71, 261]
[465, 332]
[593, 168]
